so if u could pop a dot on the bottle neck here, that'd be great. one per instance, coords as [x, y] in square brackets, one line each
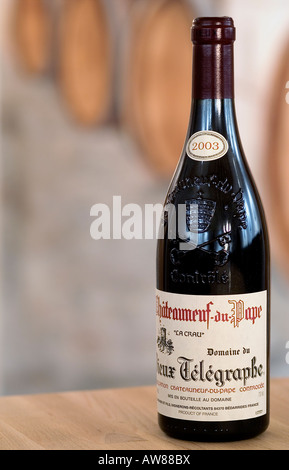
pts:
[213, 71]
[213, 104]
[214, 114]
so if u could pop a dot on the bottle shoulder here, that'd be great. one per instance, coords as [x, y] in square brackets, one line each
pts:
[225, 184]
[224, 221]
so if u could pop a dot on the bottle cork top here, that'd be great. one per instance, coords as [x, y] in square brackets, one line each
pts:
[213, 30]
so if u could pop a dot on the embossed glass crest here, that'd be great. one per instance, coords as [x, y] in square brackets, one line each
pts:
[199, 213]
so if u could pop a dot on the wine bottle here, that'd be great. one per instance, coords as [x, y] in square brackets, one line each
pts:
[213, 267]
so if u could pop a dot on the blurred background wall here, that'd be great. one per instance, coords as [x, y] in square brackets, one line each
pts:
[94, 103]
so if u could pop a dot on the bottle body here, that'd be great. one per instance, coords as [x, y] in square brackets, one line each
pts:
[213, 288]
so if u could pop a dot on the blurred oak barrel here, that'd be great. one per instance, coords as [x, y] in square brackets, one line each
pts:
[32, 28]
[278, 156]
[158, 80]
[84, 61]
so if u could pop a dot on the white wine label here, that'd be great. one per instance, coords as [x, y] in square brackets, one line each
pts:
[207, 146]
[211, 356]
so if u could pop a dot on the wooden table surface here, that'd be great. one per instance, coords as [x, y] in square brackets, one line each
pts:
[116, 419]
